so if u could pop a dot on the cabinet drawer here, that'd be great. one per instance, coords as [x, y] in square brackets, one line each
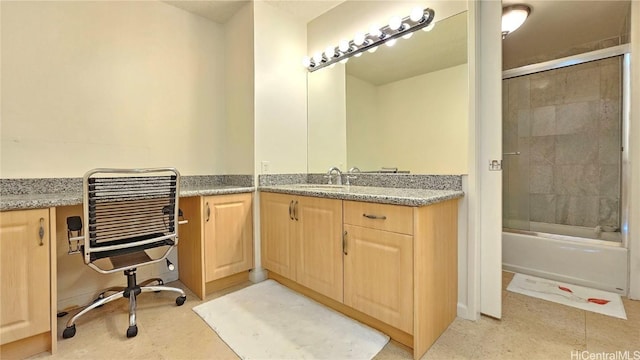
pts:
[393, 218]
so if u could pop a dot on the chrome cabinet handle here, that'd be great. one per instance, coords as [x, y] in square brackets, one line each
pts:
[344, 243]
[295, 211]
[41, 231]
[208, 212]
[375, 217]
[291, 210]
[512, 153]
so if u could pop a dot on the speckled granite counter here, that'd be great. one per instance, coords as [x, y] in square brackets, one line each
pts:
[36, 201]
[397, 196]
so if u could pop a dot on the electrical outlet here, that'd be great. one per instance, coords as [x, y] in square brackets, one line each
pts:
[265, 167]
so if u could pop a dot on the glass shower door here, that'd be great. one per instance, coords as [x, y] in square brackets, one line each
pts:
[515, 157]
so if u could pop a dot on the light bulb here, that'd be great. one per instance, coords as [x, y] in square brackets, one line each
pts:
[429, 27]
[358, 39]
[375, 31]
[344, 61]
[330, 52]
[373, 49]
[358, 55]
[407, 36]
[317, 57]
[395, 23]
[417, 14]
[306, 61]
[513, 17]
[391, 42]
[343, 46]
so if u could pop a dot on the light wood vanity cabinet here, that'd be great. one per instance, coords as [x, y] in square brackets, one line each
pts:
[398, 263]
[301, 239]
[215, 249]
[228, 235]
[26, 287]
[378, 264]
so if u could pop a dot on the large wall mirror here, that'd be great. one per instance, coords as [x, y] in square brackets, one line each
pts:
[403, 107]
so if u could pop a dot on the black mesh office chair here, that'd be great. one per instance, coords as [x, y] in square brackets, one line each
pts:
[132, 220]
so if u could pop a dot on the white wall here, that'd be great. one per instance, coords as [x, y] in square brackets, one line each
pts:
[417, 124]
[239, 91]
[110, 84]
[488, 146]
[280, 90]
[326, 119]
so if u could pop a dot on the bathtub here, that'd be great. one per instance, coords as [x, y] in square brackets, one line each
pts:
[592, 263]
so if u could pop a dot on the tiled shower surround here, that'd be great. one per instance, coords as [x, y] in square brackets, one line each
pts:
[566, 124]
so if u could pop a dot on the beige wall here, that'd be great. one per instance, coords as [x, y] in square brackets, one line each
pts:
[417, 124]
[110, 84]
[280, 90]
[239, 90]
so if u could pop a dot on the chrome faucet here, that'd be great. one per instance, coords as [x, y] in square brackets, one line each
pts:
[349, 177]
[330, 175]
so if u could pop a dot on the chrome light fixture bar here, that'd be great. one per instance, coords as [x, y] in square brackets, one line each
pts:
[420, 19]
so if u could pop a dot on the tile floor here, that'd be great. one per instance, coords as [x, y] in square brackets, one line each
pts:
[530, 329]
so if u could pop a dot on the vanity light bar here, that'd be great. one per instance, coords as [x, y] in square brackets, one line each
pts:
[386, 33]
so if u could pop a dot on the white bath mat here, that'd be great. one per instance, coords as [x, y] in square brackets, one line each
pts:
[269, 321]
[599, 301]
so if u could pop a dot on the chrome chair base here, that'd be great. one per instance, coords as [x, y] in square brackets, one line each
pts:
[131, 291]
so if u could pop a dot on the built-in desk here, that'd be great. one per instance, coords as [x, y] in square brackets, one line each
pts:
[58, 281]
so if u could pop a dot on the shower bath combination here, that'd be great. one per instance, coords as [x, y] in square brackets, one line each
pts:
[564, 184]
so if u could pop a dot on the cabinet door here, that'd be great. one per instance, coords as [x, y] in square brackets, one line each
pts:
[24, 274]
[228, 235]
[319, 245]
[276, 231]
[378, 275]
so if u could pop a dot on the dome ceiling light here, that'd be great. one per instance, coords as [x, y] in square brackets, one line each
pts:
[513, 16]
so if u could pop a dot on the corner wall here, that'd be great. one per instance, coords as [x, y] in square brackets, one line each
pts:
[280, 90]
[239, 92]
[280, 41]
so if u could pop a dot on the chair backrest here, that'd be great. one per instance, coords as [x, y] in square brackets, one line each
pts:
[131, 217]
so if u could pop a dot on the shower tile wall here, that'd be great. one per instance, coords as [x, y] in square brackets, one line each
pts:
[566, 125]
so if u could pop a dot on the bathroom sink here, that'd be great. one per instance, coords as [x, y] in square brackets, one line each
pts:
[321, 186]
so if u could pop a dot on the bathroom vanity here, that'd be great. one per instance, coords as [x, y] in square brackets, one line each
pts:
[386, 257]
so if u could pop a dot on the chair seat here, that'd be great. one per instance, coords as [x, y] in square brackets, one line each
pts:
[134, 249]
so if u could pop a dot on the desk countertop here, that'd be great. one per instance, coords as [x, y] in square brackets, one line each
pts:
[38, 201]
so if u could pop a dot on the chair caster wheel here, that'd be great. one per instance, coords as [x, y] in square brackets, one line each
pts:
[132, 331]
[180, 300]
[160, 283]
[100, 297]
[69, 332]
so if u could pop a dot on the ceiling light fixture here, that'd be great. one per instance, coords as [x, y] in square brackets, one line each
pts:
[513, 16]
[419, 19]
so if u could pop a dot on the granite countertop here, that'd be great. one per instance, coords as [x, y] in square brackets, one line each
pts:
[396, 196]
[38, 201]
